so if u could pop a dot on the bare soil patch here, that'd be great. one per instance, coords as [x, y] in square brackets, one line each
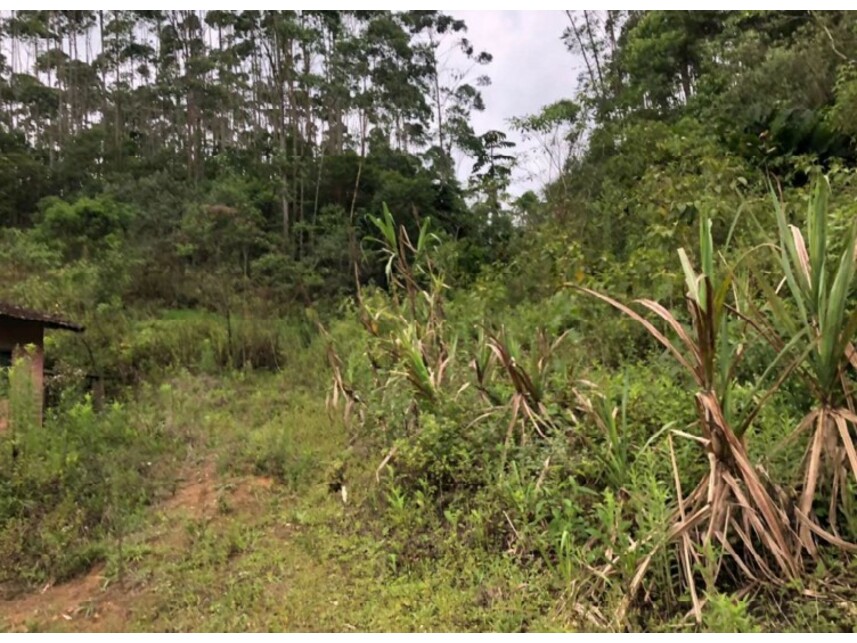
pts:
[87, 603]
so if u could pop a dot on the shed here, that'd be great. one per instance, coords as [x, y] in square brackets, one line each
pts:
[21, 328]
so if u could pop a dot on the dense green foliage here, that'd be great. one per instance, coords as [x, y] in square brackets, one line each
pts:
[238, 152]
[634, 392]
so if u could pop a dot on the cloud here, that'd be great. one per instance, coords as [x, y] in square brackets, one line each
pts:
[531, 68]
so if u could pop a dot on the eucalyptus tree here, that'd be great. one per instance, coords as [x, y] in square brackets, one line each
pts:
[454, 93]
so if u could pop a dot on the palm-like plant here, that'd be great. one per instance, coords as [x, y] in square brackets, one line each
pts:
[409, 330]
[612, 421]
[529, 380]
[401, 272]
[731, 502]
[819, 284]
[417, 336]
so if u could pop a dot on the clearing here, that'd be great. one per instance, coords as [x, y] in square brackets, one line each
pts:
[230, 551]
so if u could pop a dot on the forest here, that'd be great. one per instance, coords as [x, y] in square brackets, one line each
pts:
[339, 373]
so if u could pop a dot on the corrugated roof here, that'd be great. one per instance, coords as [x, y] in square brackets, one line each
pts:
[45, 319]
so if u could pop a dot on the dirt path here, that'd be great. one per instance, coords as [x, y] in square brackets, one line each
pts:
[90, 603]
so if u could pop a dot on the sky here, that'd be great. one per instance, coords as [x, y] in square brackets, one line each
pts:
[531, 68]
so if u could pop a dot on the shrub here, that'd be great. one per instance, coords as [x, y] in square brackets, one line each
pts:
[66, 488]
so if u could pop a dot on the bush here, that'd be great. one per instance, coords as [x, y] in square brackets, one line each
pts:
[68, 486]
[122, 350]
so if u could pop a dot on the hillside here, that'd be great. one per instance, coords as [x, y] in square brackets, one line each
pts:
[328, 380]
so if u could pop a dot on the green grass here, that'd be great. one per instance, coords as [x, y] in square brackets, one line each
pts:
[274, 548]
[308, 568]
[290, 556]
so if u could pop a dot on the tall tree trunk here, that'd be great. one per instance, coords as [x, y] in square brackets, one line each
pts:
[576, 32]
[594, 48]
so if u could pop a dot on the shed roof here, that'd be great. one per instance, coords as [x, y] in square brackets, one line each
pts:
[8, 310]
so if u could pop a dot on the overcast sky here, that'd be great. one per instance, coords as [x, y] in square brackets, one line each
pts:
[531, 68]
